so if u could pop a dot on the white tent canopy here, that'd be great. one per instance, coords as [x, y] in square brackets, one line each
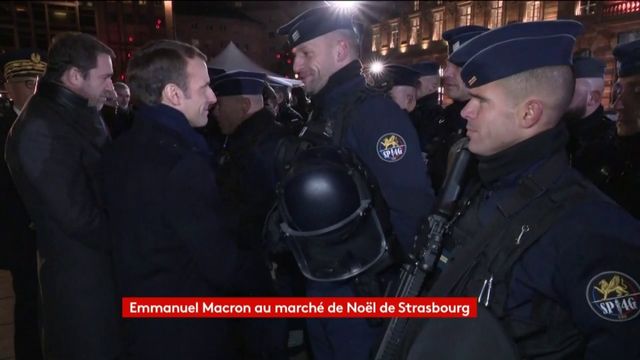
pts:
[232, 58]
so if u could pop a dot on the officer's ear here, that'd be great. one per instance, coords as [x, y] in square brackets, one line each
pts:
[530, 113]
[342, 50]
[172, 95]
[594, 98]
[245, 105]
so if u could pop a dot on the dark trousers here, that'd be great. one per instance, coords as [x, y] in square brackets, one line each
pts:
[22, 264]
[340, 339]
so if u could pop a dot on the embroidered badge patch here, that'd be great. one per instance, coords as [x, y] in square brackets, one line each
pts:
[391, 147]
[614, 296]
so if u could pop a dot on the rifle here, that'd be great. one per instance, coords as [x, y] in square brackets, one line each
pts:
[427, 250]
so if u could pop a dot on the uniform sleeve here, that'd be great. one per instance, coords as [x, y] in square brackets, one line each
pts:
[597, 278]
[52, 164]
[384, 139]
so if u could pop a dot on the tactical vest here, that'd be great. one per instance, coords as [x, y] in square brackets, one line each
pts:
[328, 128]
[483, 266]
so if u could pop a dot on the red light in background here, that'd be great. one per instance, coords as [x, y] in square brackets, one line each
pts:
[288, 61]
[129, 55]
[278, 56]
[122, 77]
[130, 38]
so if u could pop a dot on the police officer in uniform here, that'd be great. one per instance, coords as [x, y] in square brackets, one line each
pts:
[246, 179]
[453, 85]
[551, 260]
[426, 115]
[286, 115]
[211, 131]
[430, 122]
[427, 104]
[449, 126]
[591, 134]
[625, 185]
[367, 123]
[401, 84]
[21, 70]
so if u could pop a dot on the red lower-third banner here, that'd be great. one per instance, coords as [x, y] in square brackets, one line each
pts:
[298, 307]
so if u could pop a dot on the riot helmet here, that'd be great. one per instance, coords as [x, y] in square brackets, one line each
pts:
[329, 216]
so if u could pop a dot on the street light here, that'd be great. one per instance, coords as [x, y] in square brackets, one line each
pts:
[343, 5]
[376, 67]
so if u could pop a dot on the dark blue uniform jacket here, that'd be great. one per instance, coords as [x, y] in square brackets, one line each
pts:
[382, 136]
[574, 291]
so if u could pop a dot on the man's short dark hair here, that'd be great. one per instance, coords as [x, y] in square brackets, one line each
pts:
[117, 86]
[73, 49]
[157, 64]
[553, 84]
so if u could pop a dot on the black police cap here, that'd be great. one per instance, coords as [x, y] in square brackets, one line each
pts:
[239, 82]
[587, 67]
[316, 22]
[512, 31]
[213, 72]
[426, 68]
[517, 48]
[459, 36]
[401, 75]
[628, 58]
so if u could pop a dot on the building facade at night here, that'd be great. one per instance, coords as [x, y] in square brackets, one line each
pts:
[412, 32]
[123, 25]
[403, 32]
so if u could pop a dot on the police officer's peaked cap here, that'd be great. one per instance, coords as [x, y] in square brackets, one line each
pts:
[516, 48]
[628, 58]
[214, 72]
[587, 67]
[512, 31]
[426, 68]
[316, 22]
[239, 82]
[459, 36]
[23, 63]
[401, 75]
[277, 83]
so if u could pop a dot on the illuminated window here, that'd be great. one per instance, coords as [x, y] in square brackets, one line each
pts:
[438, 24]
[533, 11]
[495, 19]
[416, 5]
[415, 31]
[586, 8]
[375, 43]
[395, 36]
[464, 15]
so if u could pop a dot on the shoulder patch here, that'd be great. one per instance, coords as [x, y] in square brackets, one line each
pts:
[391, 147]
[614, 296]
